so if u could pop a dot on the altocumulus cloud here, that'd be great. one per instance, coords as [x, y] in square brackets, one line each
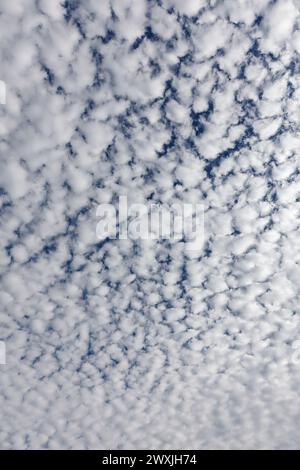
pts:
[133, 344]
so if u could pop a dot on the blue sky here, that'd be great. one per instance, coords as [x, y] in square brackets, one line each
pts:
[126, 344]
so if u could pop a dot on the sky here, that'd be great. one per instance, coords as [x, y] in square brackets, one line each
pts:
[134, 344]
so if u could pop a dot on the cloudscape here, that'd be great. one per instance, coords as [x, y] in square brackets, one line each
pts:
[138, 342]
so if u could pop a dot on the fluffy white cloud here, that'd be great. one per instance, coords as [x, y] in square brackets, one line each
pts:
[140, 344]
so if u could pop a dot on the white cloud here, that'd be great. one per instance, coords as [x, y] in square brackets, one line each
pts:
[127, 344]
